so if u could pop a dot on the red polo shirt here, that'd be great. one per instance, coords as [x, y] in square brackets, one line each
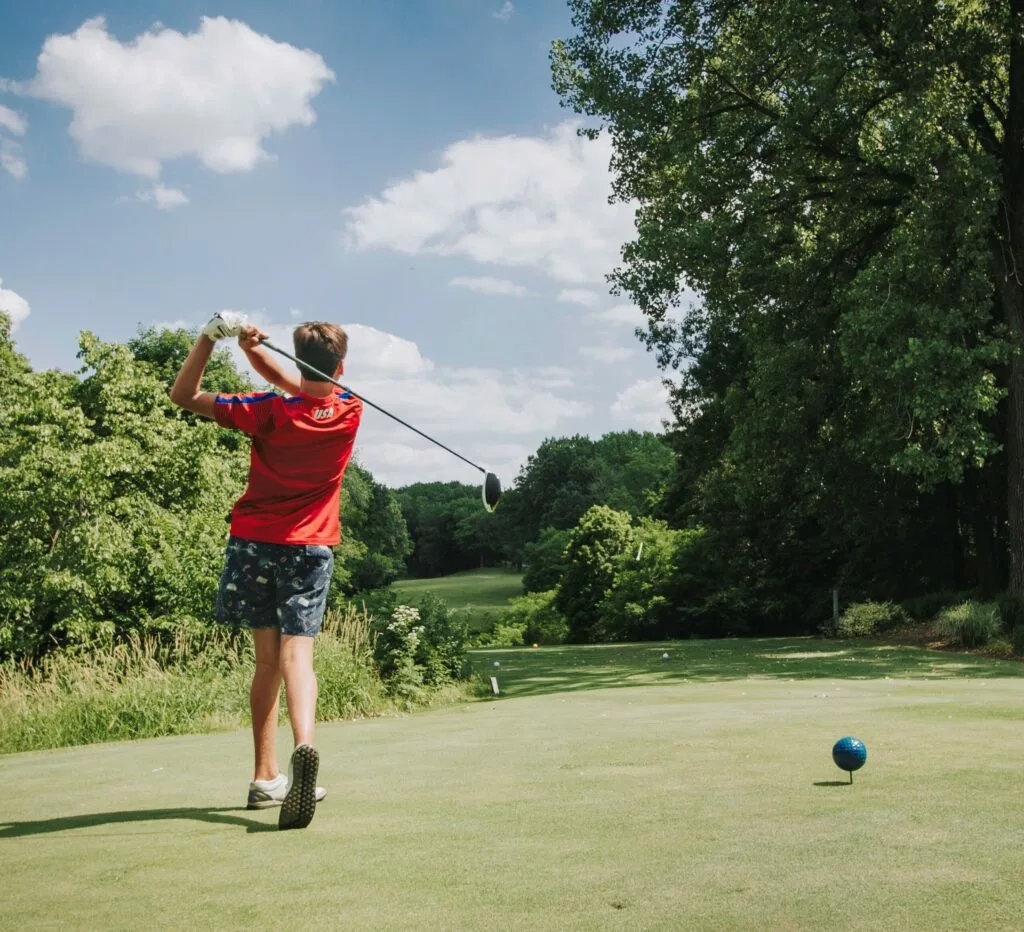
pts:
[300, 448]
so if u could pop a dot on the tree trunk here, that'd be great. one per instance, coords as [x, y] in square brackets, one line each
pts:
[1011, 293]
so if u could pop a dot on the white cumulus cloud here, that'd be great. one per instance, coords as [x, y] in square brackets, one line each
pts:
[215, 94]
[515, 201]
[487, 285]
[12, 121]
[162, 197]
[505, 12]
[11, 159]
[642, 405]
[13, 305]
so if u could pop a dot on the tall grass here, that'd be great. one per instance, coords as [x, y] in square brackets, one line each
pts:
[189, 682]
[971, 624]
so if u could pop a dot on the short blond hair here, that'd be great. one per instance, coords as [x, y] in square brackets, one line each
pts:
[321, 345]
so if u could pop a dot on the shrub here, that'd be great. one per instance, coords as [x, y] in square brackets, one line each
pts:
[866, 619]
[395, 647]
[442, 649]
[537, 619]
[926, 607]
[378, 603]
[971, 624]
[502, 635]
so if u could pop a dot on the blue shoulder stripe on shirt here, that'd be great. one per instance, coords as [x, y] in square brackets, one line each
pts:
[293, 399]
[244, 399]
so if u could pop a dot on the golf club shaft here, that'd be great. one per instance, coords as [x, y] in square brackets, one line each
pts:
[303, 366]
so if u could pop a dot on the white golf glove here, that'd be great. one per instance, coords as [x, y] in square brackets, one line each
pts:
[224, 324]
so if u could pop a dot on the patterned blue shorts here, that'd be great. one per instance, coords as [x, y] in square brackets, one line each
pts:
[275, 586]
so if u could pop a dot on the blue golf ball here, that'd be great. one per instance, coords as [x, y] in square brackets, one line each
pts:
[849, 754]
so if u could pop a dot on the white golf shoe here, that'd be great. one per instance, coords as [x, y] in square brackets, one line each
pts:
[266, 794]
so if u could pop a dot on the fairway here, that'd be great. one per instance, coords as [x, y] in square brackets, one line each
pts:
[605, 789]
[479, 595]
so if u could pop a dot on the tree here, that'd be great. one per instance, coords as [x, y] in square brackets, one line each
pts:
[545, 561]
[375, 531]
[633, 469]
[595, 546]
[636, 607]
[449, 529]
[111, 518]
[163, 351]
[842, 186]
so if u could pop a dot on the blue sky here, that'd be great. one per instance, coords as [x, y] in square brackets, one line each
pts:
[401, 167]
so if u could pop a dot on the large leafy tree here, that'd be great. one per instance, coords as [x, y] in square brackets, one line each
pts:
[112, 509]
[841, 184]
[595, 549]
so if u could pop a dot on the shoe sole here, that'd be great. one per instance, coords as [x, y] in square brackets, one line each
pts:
[299, 805]
[274, 803]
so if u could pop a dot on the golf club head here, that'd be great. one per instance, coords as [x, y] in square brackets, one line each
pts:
[491, 491]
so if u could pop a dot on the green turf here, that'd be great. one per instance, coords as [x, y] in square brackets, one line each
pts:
[606, 789]
[478, 594]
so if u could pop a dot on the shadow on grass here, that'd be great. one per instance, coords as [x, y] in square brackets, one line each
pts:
[214, 816]
[531, 672]
[833, 783]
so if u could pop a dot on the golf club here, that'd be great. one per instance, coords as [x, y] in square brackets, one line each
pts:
[490, 492]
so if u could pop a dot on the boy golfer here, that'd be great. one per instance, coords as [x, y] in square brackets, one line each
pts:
[278, 563]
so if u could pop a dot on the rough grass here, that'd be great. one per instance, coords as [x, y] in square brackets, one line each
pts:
[198, 683]
[606, 789]
[478, 596]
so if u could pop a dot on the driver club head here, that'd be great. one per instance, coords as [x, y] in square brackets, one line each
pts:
[491, 491]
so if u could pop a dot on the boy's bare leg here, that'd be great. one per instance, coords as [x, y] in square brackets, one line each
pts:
[300, 686]
[263, 701]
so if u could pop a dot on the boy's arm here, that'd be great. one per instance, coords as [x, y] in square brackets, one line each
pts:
[186, 392]
[249, 340]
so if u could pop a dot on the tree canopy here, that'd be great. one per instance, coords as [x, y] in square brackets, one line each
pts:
[829, 231]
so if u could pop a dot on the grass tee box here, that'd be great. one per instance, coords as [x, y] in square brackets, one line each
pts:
[478, 595]
[606, 789]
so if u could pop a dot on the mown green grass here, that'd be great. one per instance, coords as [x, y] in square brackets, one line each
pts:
[602, 790]
[477, 595]
[527, 671]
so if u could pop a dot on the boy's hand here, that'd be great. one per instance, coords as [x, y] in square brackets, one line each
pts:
[250, 337]
[224, 324]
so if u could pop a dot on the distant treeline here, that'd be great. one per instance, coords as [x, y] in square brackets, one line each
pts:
[450, 531]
